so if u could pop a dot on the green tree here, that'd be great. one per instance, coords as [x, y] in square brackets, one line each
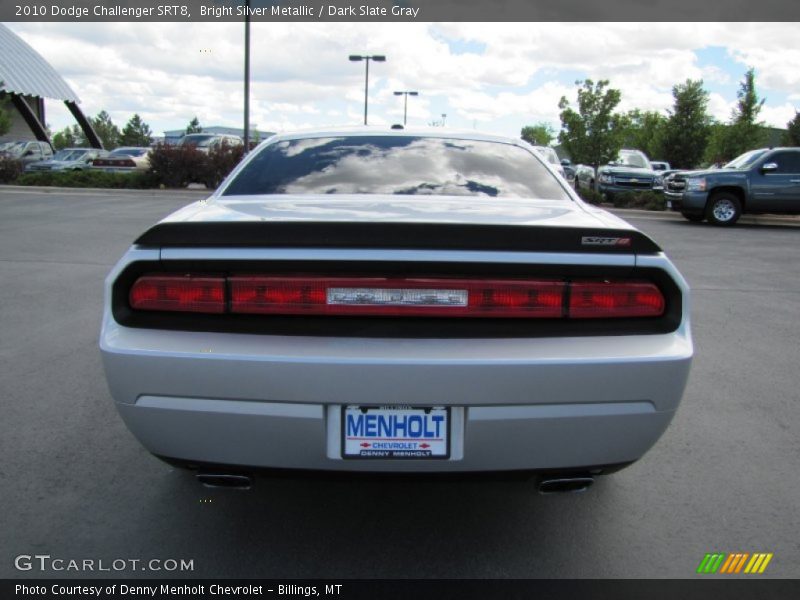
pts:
[106, 130]
[540, 134]
[136, 133]
[792, 135]
[592, 135]
[194, 126]
[687, 130]
[744, 132]
[69, 137]
[643, 131]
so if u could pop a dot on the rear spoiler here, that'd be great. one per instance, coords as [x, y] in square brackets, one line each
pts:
[431, 236]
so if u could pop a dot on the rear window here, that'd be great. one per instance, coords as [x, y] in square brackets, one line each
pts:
[396, 165]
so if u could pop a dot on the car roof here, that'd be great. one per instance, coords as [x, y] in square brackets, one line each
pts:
[430, 132]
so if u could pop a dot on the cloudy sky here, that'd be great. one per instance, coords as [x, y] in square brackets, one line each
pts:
[494, 77]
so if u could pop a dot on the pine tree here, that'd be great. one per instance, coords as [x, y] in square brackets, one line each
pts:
[136, 133]
[686, 132]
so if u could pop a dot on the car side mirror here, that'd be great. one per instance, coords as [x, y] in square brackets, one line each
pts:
[28, 153]
[770, 166]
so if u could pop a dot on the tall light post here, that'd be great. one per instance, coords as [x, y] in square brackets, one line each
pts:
[247, 78]
[367, 58]
[405, 93]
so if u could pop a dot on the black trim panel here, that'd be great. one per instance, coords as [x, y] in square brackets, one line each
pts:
[389, 327]
[429, 236]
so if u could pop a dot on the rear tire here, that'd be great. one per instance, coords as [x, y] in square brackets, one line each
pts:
[724, 209]
[693, 218]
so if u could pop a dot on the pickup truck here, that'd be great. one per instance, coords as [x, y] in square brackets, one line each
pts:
[630, 172]
[760, 181]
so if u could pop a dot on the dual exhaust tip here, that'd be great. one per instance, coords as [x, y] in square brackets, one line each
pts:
[547, 485]
[235, 481]
[565, 484]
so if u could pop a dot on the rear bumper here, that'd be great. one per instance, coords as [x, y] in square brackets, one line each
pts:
[271, 401]
[275, 401]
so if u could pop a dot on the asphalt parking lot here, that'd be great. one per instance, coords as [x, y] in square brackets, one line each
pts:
[76, 485]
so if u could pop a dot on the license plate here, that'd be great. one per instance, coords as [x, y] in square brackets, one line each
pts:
[395, 432]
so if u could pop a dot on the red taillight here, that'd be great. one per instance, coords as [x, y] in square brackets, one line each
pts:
[189, 293]
[597, 300]
[364, 296]
[397, 297]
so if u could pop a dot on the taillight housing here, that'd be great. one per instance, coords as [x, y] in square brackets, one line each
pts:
[614, 299]
[365, 296]
[179, 293]
[426, 297]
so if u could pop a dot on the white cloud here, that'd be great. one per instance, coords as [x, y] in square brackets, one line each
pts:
[301, 76]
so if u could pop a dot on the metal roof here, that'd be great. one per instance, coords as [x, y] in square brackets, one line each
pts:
[24, 71]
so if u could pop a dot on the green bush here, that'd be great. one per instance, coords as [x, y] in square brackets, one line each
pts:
[644, 200]
[10, 169]
[590, 196]
[87, 179]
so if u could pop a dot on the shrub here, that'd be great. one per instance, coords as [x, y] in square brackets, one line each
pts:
[221, 161]
[177, 166]
[644, 200]
[87, 179]
[590, 196]
[10, 169]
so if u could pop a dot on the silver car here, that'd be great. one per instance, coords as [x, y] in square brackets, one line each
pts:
[67, 159]
[396, 301]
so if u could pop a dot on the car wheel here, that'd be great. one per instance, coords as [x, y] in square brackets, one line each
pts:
[723, 209]
[692, 217]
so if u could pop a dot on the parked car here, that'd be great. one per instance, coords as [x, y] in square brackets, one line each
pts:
[760, 181]
[660, 166]
[569, 171]
[585, 177]
[381, 300]
[550, 155]
[631, 172]
[207, 141]
[128, 159]
[67, 159]
[27, 152]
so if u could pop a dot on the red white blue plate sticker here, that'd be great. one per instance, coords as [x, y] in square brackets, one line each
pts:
[395, 432]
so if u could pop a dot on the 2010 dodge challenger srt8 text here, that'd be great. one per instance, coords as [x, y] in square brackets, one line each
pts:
[396, 301]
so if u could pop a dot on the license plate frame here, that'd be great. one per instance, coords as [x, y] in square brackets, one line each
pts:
[396, 448]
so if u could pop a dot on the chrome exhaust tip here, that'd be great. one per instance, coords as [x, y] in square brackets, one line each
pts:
[565, 484]
[225, 480]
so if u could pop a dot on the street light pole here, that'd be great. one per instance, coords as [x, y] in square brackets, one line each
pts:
[405, 103]
[367, 58]
[247, 78]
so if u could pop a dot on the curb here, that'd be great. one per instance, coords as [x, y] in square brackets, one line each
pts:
[152, 192]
